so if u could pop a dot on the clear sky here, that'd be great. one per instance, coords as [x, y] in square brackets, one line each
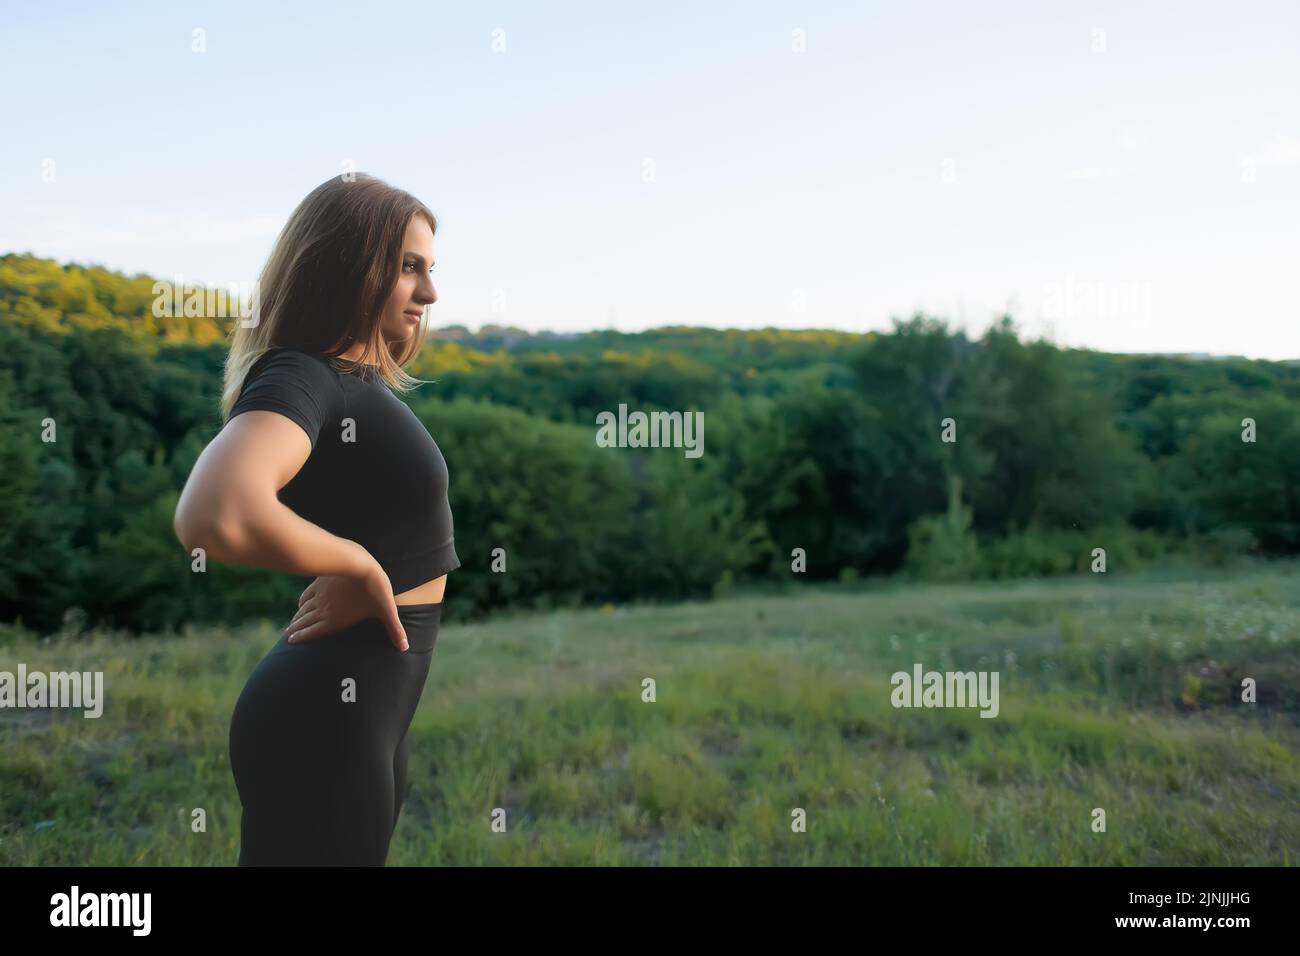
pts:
[1123, 176]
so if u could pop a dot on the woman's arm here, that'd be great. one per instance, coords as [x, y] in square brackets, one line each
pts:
[229, 505]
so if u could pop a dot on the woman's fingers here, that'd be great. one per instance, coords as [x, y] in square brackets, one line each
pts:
[306, 609]
[308, 632]
[380, 589]
[396, 632]
[302, 623]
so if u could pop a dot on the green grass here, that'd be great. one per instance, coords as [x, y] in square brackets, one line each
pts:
[1116, 692]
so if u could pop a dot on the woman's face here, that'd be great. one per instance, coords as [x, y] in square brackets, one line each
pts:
[414, 290]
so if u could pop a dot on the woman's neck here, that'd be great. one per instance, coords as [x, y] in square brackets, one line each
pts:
[354, 355]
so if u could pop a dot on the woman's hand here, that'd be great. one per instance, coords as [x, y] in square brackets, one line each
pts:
[334, 602]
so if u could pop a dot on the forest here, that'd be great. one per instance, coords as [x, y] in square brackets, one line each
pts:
[830, 456]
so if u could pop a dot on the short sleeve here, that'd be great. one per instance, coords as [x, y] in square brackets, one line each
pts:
[298, 385]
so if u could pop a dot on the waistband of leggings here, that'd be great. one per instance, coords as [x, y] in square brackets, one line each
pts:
[419, 613]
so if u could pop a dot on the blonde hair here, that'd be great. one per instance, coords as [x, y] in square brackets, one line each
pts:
[326, 281]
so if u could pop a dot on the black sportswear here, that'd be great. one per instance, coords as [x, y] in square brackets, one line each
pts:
[375, 475]
[318, 743]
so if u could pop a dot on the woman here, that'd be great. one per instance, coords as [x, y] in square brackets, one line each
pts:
[319, 469]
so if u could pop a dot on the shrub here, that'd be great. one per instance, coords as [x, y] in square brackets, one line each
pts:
[943, 547]
[1224, 545]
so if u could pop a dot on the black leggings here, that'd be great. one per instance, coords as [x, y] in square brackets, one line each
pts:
[318, 743]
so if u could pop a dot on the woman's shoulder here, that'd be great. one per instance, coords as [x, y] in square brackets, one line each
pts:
[292, 357]
[302, 365]
[292, 363]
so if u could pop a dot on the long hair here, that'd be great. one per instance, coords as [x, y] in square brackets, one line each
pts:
[326, 281]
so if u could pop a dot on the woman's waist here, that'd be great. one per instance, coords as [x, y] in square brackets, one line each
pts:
[369, 638]
[430, 592]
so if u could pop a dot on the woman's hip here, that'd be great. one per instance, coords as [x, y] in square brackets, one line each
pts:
[352, 677]
[368, 643]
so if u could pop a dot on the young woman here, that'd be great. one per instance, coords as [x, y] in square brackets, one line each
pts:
[320, 470]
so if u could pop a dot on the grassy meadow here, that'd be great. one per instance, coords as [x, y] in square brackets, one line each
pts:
[1116, 692]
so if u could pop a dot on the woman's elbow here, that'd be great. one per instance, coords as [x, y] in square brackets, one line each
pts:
[213, 533]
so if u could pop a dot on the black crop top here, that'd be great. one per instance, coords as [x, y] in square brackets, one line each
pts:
[374, 475]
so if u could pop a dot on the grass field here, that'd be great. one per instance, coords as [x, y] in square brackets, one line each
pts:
[1120, 693]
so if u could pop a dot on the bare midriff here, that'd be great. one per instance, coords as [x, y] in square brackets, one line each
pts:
[430, 592]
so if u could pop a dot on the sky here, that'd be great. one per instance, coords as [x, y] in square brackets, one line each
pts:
[1116, 176]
